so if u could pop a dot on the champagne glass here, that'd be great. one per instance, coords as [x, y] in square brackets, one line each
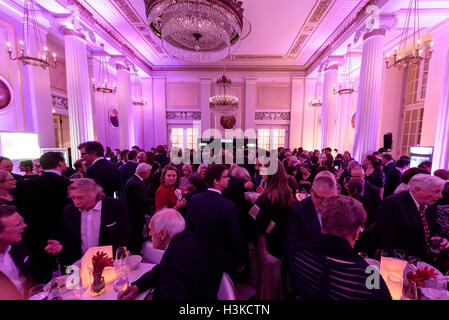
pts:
[121, 255]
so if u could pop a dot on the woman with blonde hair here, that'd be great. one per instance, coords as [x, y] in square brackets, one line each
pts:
[184, 181]
[271, 224]
[202, 170]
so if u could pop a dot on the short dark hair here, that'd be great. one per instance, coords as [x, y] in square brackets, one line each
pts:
[6, 210]
[213, 172]
[381, 150]
[4, 158]
[387, 156]
[402, 163]
[78, 163]
[135, 147]
[410, 173]
[123, 153]
[132, 155]
[27, 163]
[290, 170]
[50, 160]
[196, 180]
[93, 147]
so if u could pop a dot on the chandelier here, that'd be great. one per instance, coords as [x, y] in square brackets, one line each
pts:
[103, 74]
[223, 102]
[196, 30]
[32, 49]
[316, 101]
[138, 99]
[347, 87]
[401, 58]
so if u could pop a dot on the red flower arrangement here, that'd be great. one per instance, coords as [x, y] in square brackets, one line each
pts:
[421, 275]
[100, 261]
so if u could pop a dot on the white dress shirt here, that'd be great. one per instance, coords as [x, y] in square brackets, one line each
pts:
[9, 268]
[98, 159]
[90, 227]
[214, 190]
[54, 171]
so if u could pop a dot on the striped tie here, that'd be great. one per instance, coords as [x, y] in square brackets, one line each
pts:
[422, 213]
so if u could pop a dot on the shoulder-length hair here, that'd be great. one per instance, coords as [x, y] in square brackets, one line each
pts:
[168, 168]
[278, 191]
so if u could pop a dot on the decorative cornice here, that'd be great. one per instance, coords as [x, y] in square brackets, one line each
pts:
[183, 115]
[59, 102]
[127, 11]
[71, 32]
[331, 67]
[120, 66]
[377, 32]
[273, 116]
[386, 23]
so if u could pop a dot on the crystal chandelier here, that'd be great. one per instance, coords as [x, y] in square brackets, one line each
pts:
[196, 30]
[316, 101]
[103, 74]
[401, 59]
[32, 49]
[347, 87]
[138, 98]
[223, 103]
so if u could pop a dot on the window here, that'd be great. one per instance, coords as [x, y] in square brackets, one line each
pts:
[184, 138]
[412, 129]
[271, 139]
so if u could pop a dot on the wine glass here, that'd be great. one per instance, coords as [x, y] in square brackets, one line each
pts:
[121, 255]
[380, 253]
[400, 254]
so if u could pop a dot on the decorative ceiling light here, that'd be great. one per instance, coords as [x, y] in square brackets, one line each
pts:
[401, 57]
[103, 74]
[32, 49]
[347, 85]
[316, 101]
[138, 98]
[223, 103]
[196, 30]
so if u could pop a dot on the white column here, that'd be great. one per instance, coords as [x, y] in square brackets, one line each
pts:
[329, 109]
[441, 149]
[205, 93]
[297, 113]
[160, 117]
[78, 91]
[369, 98]
[250, 103]
[125, 107]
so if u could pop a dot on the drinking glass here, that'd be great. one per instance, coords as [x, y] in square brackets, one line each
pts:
[121, 280]
[380, 253]
[410, 291]
[38, 292]
[121, 255]
[400, 254]
[413, 260]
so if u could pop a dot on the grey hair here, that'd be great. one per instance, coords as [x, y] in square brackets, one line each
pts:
[87, 184]
[425, 182]
[353, 164]
[325, 180]
[170, 220]
[142, 168]
[241, 173]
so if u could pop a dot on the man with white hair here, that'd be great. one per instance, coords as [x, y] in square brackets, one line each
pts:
[305, 217]
[404, 222]
[183, 273]
[139, 204]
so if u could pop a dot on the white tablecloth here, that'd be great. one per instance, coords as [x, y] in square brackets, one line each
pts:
[109, 293]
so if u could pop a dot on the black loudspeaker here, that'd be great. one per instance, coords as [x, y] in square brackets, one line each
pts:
[388, 141]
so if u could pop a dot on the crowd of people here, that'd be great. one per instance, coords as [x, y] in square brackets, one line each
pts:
[310, 223]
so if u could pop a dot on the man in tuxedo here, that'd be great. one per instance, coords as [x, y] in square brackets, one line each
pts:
[393, 176]
[183, 273]
[104, 172]
[388, 162]
[139, 204]
[161, 157]
[305, 217]
[92, 220]
[122, 158]
[403, 221]
[128, 169]
[17, 273]
[41, 202]
[214, 220]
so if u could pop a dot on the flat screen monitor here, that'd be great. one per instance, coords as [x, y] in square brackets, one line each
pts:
[419, 155]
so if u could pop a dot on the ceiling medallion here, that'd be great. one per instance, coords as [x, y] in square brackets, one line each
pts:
[196, 30]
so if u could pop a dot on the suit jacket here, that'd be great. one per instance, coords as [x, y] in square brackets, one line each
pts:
[106, 174]
[390, 166]
[303, 224]
[214, 220]
[399, 226]
[126, 172]
[370, 200]
[115, 229]
[392, 181]
[182, 274]
[24, 262]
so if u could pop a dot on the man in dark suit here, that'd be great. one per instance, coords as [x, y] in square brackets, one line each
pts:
[161, 157]
[388, 162]
[393, 176]
[402, 221]
[17, 273]
[139, 204]
[214, 220]
[41, 201]
[184, 272]
[123, 157]
[92, 220]
[305, 217]
[104, 172]
[128, 169]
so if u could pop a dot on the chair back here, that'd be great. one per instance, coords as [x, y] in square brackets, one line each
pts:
[151, 255]
[227, 289]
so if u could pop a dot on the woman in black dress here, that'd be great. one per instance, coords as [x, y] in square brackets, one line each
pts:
[374, 173]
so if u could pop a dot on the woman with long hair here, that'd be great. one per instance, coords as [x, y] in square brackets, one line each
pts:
[271, 223]
[167, 196]
[374, 173]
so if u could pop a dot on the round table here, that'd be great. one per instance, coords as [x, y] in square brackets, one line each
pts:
[109, 293]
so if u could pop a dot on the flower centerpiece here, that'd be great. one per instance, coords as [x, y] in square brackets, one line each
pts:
[99, 261]
[421, 275]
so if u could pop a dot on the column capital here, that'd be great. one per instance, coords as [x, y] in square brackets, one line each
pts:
[386, 23]
[71, 32]
[119, 66]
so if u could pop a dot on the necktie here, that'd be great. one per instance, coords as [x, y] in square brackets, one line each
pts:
[425, 226]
